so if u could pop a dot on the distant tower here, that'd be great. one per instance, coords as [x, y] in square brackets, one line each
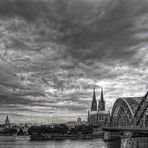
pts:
[7, 121]
[94, 102]
[88, 118]
[101, 105]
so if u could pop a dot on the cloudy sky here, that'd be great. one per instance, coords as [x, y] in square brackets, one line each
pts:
[53, 53]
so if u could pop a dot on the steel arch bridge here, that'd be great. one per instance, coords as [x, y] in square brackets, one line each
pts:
[130, 111]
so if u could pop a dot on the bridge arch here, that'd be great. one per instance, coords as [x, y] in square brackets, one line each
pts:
[123, 111]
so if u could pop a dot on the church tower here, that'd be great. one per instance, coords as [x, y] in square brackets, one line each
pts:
[101, 105]
[7, 121]
[94, 102]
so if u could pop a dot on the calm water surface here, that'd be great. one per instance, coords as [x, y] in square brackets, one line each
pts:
[96, 143]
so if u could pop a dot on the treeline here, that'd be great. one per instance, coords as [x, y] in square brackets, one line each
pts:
[84, 129]
[44, 129]
[8, 131]
[60, 129]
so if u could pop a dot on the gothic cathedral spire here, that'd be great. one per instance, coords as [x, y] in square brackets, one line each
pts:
[94, 102]
[101, 106]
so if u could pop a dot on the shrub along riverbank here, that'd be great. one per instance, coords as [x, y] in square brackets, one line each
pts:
[60, 129]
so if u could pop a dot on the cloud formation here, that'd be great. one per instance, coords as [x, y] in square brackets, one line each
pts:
[54, 53]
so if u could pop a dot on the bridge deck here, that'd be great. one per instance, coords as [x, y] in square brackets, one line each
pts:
[121, 129]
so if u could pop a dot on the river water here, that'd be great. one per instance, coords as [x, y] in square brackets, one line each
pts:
[96, 143]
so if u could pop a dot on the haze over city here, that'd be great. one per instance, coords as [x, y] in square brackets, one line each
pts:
[53, 53]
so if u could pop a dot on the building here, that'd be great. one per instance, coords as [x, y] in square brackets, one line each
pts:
[73, 124]
[7, 122]
[98, 116]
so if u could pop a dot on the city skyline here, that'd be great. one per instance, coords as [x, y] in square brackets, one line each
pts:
[54, 53]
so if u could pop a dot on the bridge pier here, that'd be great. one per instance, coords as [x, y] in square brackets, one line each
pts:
[117, 133]
[110, 135]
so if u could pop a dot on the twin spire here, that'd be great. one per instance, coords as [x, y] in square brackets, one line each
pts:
[101, 103]
[94, 102]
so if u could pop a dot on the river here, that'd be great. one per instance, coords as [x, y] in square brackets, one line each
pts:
[96, 143]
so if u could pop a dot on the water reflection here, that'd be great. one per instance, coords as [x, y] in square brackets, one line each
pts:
[113, 144]
[94, 143]
[141, 142]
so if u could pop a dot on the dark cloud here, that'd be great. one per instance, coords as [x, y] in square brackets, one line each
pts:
[79, 26]
[6, 99]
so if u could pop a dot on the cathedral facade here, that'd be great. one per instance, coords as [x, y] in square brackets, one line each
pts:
[97, 116]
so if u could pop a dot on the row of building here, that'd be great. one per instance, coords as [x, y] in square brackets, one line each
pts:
[97, 115]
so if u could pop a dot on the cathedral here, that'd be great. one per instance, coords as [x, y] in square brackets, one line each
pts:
[97, 116]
